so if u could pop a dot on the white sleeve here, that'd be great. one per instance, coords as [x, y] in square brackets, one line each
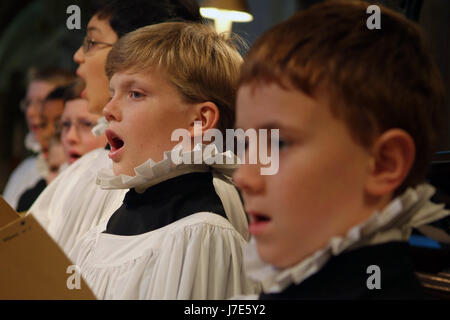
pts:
[42, 206]
[202, 261]
[198, 257]
[232, 204]
[73, 203]
[25, 176]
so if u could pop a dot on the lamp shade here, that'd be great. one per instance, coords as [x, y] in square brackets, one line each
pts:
[235, 5]
[232, 10]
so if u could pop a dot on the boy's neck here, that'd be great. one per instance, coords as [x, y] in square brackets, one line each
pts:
[376, 203]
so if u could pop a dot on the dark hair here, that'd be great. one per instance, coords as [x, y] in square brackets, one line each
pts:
[55, 76]
[377, 79]
[128, 15]
[74, 90]
[56, 94]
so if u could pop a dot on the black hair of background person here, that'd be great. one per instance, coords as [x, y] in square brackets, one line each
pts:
[57, 93]
[127, 16]
[410, 8]
[33, 33]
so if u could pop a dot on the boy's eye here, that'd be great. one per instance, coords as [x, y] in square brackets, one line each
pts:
[283, 144]
[66, 124]
[135, 95]
[86, 123]
[88, 43]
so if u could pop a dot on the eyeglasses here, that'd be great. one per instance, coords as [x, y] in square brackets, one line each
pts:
[82, 126]
[89, 45]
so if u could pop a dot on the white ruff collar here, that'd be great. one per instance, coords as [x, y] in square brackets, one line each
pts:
[100, 127]
[150, 173]
[394, 223]
[31, 143]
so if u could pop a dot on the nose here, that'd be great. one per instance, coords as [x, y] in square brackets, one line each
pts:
[78, 57]
[72, 135]
[112, 111]
[33, 110]
[248, 179]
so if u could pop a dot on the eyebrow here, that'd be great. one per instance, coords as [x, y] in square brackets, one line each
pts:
[268, 125]
[90, 29]
[127, 84]
[276, 125]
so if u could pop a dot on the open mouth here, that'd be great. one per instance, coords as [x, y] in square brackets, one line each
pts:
[35, 127]
[114, 140]
[74, 156]
[259, 218]
[116, 143]
[258, 223]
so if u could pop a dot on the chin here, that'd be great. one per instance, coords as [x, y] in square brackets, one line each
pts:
[118, 170]
[273, 257]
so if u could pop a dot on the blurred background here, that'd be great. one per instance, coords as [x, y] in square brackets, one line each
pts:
[34, 33]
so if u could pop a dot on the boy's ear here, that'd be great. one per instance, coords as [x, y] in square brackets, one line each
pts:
[207, 113]
[393, 157]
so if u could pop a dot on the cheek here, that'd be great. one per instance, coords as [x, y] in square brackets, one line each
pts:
[318, 186]
[301, 183]
[90, 144]
[64, 143]
[32, 111]
[95, 69]
[286, 191]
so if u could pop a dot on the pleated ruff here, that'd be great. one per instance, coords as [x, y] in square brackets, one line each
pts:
[197, 257]
[395, 222]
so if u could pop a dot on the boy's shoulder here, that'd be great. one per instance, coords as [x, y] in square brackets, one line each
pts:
[203, 219]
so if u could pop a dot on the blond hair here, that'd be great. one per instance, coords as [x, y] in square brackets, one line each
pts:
[201, 64]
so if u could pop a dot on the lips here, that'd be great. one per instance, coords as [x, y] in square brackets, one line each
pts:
[259, 222]
[116, 143]
[74, 156]
[78, 73]
[35, 127]
[45, 153]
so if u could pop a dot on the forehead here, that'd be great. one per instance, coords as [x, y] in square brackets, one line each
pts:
[101, 27]
[263, 103]
[76, 106]
[39, 89]
[96, 24]
[152, 77]
[53, 107]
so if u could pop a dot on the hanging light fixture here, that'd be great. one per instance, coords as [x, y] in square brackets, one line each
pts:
[225, 12]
